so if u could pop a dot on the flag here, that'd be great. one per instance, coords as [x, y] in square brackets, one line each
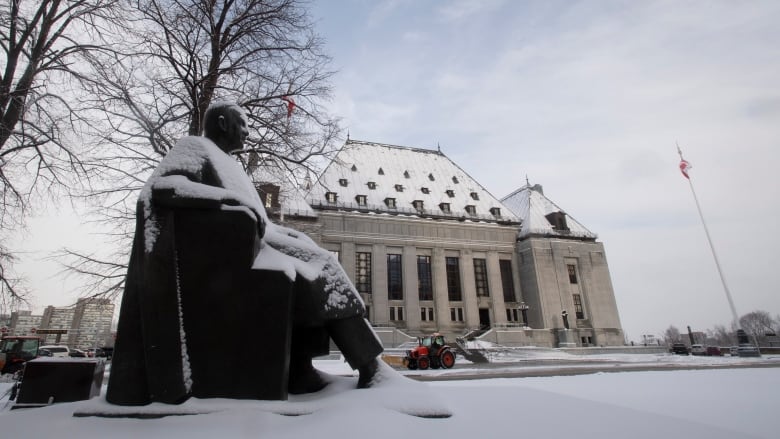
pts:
[290, 105]
[684, 167]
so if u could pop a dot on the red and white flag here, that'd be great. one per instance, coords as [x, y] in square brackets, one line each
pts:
[290, 105]
[684, 167]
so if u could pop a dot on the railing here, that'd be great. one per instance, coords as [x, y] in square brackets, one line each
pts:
[422, 213]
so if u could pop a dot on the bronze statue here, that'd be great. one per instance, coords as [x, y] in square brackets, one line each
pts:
[200, 210]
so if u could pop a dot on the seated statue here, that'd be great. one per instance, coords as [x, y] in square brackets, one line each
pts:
[198, 177]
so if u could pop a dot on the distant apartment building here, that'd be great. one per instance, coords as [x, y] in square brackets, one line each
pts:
[87, 324]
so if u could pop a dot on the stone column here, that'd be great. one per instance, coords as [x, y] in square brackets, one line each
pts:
[440, 294]
[411, 293]
[379, 283]
[496, 287]
[470, 302]
[347, 259]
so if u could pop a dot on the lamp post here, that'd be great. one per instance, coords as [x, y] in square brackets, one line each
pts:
[524, 311]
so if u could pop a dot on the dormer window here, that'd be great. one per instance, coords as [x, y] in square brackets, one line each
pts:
[390, 202]
[343, 182]
[474, 196]
[399, 188]
[495, 211]
[372, 185]
[354, 168]
[425, 190]
[331, 197]
[450, 193]
[431, 177]
[418, 205]
[361, 200]
[471, 209]
[445, 207]
[455, 179]
[406, 174]
[381, 171]
[558, 221]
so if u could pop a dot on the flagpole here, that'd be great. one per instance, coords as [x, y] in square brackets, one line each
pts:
[712, 247]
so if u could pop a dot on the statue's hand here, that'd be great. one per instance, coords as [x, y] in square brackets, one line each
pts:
[260, 226]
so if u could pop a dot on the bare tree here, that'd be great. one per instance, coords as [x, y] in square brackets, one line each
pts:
[720, 336]
[182, 56]
[671, 334]
[41, 41]
[757, 324]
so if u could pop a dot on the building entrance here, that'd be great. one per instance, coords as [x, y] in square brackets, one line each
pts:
[484, 318]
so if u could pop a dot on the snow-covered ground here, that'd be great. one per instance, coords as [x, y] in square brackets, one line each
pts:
[708, 403]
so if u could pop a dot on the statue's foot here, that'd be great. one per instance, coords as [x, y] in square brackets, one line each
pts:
[367, 374]
[308, 381]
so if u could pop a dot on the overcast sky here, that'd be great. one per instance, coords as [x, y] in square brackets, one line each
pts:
[587, 99]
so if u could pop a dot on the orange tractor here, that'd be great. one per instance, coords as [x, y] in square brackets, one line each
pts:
[431, 351]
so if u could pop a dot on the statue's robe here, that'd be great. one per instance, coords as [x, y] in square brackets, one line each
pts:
[150, 361]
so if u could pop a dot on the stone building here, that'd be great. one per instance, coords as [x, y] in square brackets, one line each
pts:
[430, 249]
[563, 269]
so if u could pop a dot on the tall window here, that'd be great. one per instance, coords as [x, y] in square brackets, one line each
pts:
[507, 280]
[572, 273]
[395, 290]
[456, 314]
[424, 280]
[580, 313]
[363, 272]
[453, 279]
[480, 277]
[396, 313]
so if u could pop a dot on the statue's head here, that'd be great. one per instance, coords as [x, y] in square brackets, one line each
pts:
[225, 124]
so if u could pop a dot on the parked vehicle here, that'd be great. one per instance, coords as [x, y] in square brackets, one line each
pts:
[77, 353]
[698, 349]
[734, 351]
[105, 352]
[714, 351]
[679, 349]
[431, 351]
[17, 350]
[57, 350]
[748, 350]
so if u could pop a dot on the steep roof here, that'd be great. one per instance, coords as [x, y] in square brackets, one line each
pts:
[365, 175]
[540, 216]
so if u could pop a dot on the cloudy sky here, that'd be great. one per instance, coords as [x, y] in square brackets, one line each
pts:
[587, 99]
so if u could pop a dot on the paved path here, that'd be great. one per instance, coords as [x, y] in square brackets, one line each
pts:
[533, 369]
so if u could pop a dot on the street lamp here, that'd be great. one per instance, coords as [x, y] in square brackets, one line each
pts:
[524, 311]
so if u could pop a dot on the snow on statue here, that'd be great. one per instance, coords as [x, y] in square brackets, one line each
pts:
[151, 360]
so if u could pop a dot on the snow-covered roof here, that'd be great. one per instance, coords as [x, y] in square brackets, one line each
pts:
[370, 177]
[291, 198]
[540, 216]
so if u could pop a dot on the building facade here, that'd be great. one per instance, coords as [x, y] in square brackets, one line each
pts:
[85, 325]
[431, 250]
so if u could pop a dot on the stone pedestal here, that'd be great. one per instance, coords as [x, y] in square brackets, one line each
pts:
[52, 380]
[566, 338]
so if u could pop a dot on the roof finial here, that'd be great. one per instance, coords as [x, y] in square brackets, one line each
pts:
[347, 135]
[438, 146]
[527, 183]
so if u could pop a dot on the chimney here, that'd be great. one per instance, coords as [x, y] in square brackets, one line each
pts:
[537, 188]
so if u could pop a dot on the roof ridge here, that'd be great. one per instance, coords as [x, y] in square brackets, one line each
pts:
[386, 145]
